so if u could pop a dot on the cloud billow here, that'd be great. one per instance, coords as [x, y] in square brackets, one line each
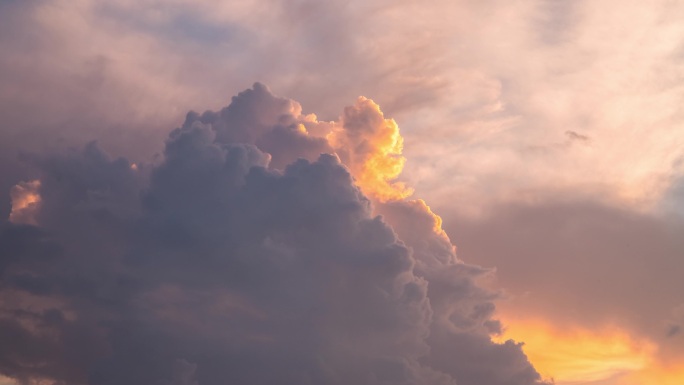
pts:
[249, 255]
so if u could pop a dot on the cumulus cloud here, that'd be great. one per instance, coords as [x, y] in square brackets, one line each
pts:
[371, 146]
[249, 254]
[503, 104]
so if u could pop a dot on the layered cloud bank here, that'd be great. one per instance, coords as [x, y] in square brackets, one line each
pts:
[251, 253]
[600, 284]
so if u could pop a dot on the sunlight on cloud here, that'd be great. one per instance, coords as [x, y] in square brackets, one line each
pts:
[371, 147]
[25, 200]
[657, 374]
[577, 356]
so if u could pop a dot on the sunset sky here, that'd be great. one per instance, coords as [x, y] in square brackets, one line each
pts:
[469, 192]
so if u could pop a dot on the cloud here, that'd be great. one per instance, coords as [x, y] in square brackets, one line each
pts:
[366, 142]
[493, 128]
[577, 68]
[371, 146]
[584, 276]
[242, 257]
[25, 201]
[276, 125]
[488, 94]
[572, 135]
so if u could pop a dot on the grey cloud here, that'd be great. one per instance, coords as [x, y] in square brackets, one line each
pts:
[184, 373]
[213, 267]
[624, 268]
[557, 21]
[459, 338]
[673, 202]
[181, 23]
[673, 330]
[572, 135]
[256, 116]
[119, 70]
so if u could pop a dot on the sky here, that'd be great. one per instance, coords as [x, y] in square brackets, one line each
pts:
[341, 192]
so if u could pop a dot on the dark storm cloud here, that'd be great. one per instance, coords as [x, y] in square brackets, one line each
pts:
[213, 267]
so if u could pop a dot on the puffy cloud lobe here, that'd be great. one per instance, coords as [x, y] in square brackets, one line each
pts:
[276, 125]
[462, 321]
[371, 147]
[215, 267]
[366, 142]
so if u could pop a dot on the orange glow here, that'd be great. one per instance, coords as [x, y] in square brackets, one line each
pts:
[659, 374]
[371, 146]
[578, 356]
[25, 200]
[420, 205]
